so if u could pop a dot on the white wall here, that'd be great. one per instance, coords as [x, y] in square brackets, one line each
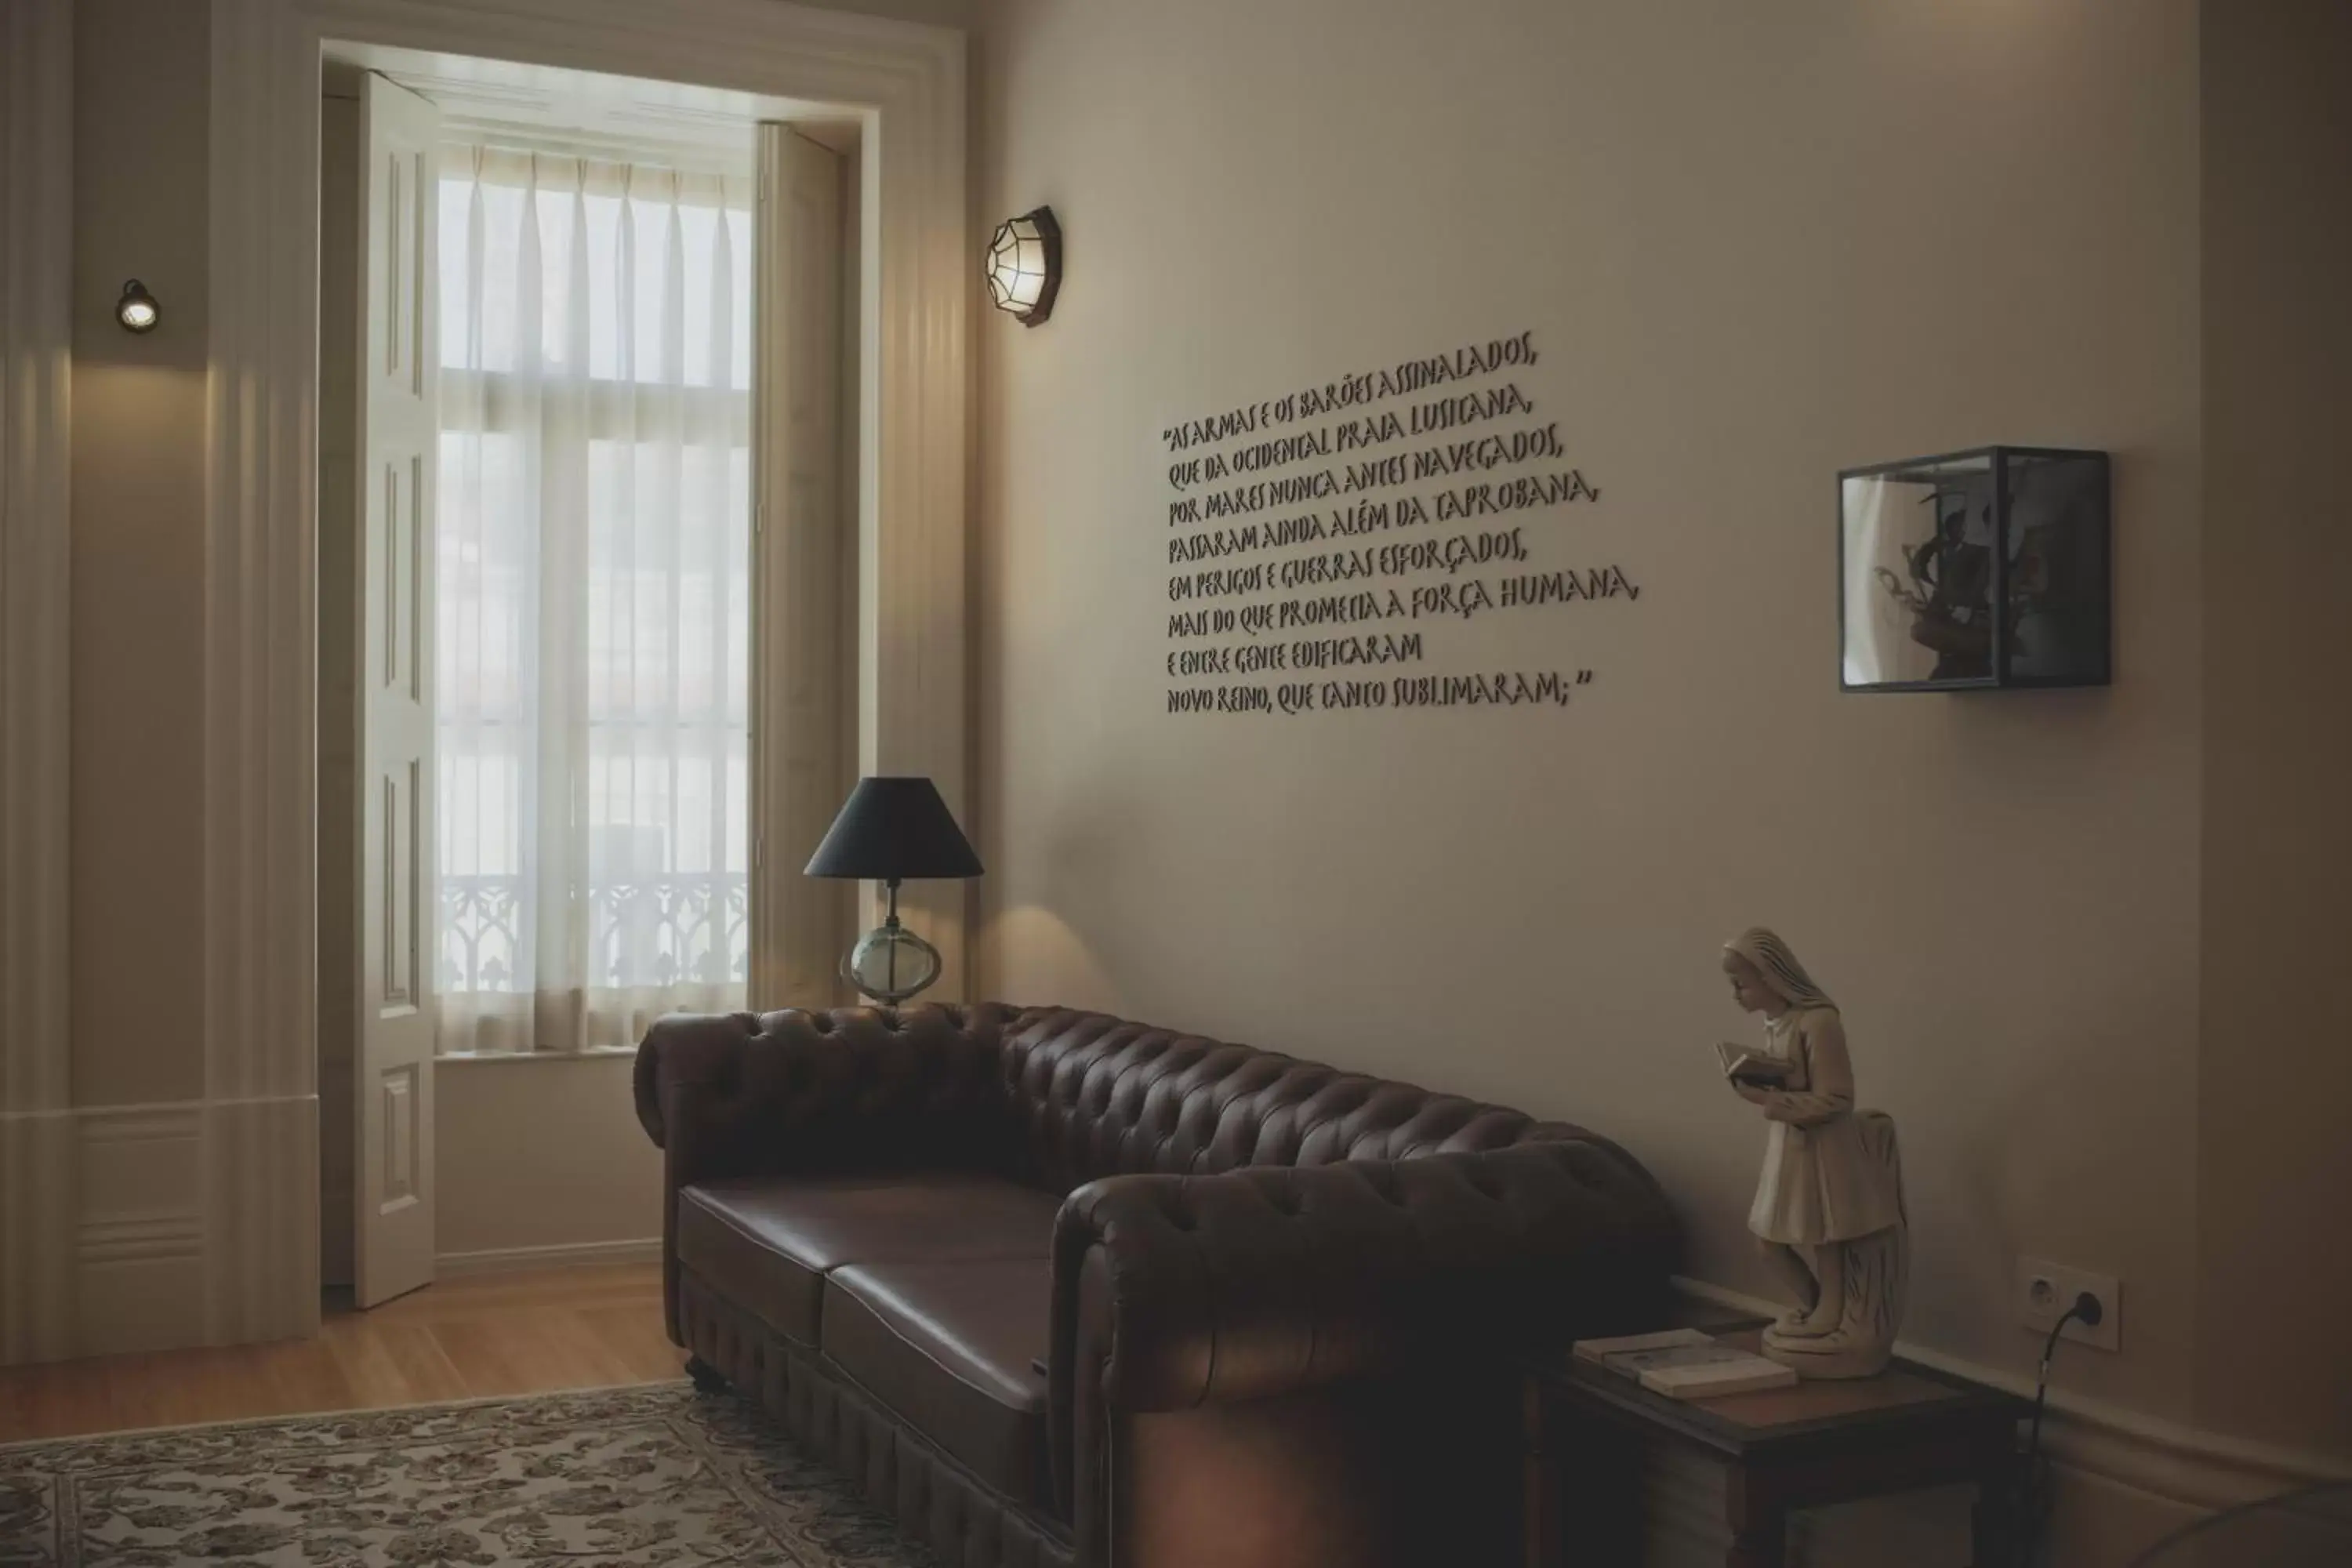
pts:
[2085, 941]
[1755, 245]
[2275, 1078]
[135, 709]
[140, 179]
[540, 1161]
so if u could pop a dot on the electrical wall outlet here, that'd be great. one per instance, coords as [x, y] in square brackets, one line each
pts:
[2044, 1291]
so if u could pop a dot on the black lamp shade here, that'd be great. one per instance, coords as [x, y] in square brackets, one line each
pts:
[894, 829]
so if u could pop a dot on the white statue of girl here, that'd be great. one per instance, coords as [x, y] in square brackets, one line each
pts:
[1829, 1206]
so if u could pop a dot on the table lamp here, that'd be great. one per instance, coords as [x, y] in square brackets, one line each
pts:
[891, 829]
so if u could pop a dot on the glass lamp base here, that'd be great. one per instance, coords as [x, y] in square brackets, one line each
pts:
[891, 963]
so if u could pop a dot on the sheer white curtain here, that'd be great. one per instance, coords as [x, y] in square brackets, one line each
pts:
[593, 577]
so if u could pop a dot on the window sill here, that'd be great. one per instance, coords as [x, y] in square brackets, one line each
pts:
[592, 1054]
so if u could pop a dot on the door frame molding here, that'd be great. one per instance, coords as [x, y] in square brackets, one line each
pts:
[907, 82]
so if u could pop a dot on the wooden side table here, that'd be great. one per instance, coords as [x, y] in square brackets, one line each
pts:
[1586, 1429]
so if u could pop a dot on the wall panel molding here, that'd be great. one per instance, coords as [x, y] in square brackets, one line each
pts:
[260, 562]
[140, 1234]
[174, 1224]
[35, 384]
[260, 534]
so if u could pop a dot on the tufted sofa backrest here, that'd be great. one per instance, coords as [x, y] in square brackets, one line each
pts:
[1096, 1096]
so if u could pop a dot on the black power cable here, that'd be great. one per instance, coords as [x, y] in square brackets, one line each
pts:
[2087, 1311]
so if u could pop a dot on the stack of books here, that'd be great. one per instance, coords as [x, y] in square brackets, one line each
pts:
[1683, 1364]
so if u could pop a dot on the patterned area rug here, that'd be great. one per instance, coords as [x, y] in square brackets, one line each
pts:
[652, 1475]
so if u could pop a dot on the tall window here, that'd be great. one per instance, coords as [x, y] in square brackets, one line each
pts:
[594, 573]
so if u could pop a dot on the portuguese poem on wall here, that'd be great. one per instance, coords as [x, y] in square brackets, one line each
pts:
[1323, 545]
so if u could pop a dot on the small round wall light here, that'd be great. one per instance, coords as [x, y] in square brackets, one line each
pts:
[137, 309]
[1025, 266]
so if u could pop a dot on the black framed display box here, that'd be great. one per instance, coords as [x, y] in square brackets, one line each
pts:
[1974, 570]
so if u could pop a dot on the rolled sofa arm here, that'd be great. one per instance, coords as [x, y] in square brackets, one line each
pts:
[852, 1090]
[1269, 1280]
[1172, 1292]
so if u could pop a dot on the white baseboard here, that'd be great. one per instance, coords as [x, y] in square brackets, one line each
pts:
[512, 1259]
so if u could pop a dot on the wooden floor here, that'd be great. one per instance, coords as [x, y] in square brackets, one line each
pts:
[465, 1339]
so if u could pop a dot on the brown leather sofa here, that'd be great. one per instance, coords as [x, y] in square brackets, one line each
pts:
[1063, 1289]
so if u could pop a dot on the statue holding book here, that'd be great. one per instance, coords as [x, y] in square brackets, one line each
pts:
[1829, 1207]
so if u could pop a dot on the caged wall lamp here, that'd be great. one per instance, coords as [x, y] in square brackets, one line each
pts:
[1024, 267]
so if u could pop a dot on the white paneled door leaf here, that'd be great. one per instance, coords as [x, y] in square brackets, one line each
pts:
[398, 385]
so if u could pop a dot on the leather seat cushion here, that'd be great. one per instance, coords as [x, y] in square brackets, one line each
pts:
[767, 1243]
[952, 1348]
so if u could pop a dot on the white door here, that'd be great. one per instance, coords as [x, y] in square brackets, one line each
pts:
[392, 1230]
[799, 924]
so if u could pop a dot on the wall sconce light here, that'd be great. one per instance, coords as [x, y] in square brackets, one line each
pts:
[137, 309]
[1025, 266]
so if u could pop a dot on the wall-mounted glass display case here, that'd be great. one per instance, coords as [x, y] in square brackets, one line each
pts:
[1977, 569]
